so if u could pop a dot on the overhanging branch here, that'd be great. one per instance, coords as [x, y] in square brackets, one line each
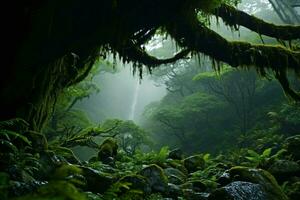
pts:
[233, 17]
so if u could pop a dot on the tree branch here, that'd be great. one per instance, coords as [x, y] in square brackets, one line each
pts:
[233, 17]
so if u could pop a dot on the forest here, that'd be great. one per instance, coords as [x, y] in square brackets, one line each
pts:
[150, 100]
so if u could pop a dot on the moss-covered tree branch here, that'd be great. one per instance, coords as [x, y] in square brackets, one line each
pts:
[198, 38]
[233, 17]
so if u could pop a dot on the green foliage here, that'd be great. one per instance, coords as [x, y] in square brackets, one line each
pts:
[258, 159]
[56, 190]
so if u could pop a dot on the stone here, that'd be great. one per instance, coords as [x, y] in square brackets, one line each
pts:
[239, 190]
[282, 170]
[292, 145]
[156, 178]
[137, 182]
[258, 176]
[176, 154]
[175, 176]
[194, 163]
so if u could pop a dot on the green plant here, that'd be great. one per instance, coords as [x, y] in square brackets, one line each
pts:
[257, 159]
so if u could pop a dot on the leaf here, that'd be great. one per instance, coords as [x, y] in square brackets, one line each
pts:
[252, 158]
[253, 153]
[267, 152]
[15, 134]
[206, 157]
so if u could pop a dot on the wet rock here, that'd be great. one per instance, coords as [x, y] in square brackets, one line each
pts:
[198, 186]
[189, 194]
[269, 184]
[175, 176]
[174, 191]
[96, 181]
[18, 174]
[50, 162]
[156, 178]
[194, 163]
[176, 154]
[292, 145]
[282, 170]
[224, 179]
[239, 190]
[137, 182]
[20, 188]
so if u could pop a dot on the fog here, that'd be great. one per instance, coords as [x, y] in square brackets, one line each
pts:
[122, 95]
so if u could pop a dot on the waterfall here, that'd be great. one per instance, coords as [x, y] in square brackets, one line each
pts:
[134, 102]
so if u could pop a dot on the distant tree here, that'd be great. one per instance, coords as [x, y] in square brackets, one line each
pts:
[130, 136]
[237, 88]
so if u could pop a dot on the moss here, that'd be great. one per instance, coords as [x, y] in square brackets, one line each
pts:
[259, 176]
[108, 148]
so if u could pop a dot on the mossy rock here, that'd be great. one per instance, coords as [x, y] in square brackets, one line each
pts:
[156, 178]
[261, 177]
[283, 170]
[174, 191]
[239, 190]
[176, 154]
[194, 163]
[96, 181]
[108, 151]
[137, 182]
[175, 176]
[292, 145]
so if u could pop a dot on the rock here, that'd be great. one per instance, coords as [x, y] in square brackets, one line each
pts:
[175, 176]
[224, 179]
[282, 170]
[50, 162]
[194, 163]
[239, 190]
[292, 145]
[137, 182]
[96, 181]
[293, 191]
[174, 191]
[156, 178]
[176, 154]
[189, 194]
[20, 188]
[108, 151]
[198, 186]
[258, 176]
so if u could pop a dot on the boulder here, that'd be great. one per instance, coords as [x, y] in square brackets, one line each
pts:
[261, 177]
[137, 182]
[156, 177]
[175, 176]
[176, 154]
[283, 170]
[292, 145]
[194, 163]
[108, 151]
[239, 190]
[96, 181]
